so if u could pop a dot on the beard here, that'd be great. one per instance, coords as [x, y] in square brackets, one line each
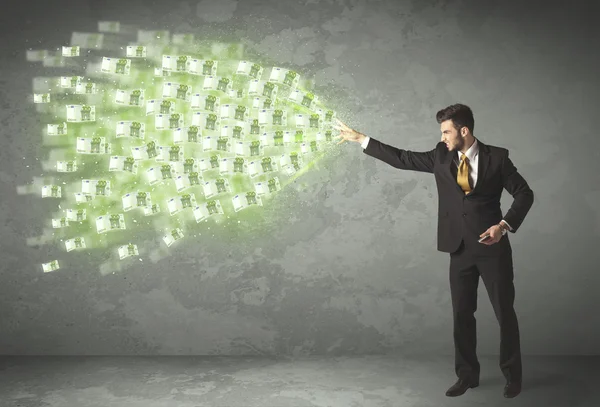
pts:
[457, 145]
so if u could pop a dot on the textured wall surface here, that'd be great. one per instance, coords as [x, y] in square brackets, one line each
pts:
[353, 268]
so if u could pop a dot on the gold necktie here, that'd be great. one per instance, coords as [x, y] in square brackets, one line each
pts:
[463, 174]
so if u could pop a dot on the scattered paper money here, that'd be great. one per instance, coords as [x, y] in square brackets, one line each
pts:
[81, 113]
[120, 66]
[109, 26]
[58, 129]
[176, 63]
[93, 145]
[269, 187]
[66, 166]
[106, 223]
[203, 67]
[211, 207]
[70, 51]
[191, 134]
[87, 40]
[51, 266]
[75, 243]
[128, 251]
[133, 97]
[251, 69]
[51, 191]
[176, 91]
[83, 198]
[168, 121]
[173, 236]
[244, 201]
[215, 187]
[138, 199]
[131, 129]
[60, 223]
[53, 61]
[169, 153]
[136, 51]
[41, 98]
[123, 163]
[284, 76]
[152, 209]
[96, 187]
[87, 88]
[76, 215]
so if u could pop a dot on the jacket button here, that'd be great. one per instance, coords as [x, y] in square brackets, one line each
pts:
[464, 214]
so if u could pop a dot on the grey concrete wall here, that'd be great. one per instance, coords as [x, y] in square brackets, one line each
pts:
[354, 268]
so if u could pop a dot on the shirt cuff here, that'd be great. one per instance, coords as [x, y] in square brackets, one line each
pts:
[365, 142]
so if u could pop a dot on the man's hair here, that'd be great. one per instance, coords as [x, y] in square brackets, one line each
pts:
[461, 116]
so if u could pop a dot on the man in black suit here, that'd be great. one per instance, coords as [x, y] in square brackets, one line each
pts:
[470, 176]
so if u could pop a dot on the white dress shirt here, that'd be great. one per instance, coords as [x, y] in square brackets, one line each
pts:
[473, 156]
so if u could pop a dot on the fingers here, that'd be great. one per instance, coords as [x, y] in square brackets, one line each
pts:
[340, 125]
[344, 130]
[491, 241]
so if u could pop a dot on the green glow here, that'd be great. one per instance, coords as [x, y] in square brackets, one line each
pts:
[104, 145]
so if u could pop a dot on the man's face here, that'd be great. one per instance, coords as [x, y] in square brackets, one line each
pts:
[451, 136]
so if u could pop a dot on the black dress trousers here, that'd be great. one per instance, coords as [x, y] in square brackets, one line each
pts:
[497, 275]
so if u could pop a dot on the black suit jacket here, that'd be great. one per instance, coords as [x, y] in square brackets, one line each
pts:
[460, 216]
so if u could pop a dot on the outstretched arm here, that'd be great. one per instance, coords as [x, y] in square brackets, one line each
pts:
[398, 158]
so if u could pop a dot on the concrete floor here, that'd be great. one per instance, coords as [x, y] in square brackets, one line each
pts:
[379, 381]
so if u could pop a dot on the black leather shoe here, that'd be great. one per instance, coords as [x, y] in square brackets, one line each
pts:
[461, 386]
[512, 389]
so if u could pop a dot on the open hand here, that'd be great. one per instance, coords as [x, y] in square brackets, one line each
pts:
[348, 134]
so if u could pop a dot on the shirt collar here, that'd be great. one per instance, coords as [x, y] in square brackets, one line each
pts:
[471, 152]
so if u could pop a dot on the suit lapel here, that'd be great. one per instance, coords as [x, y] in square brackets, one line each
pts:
[483, 163]
[450, 159]
[482, 166]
